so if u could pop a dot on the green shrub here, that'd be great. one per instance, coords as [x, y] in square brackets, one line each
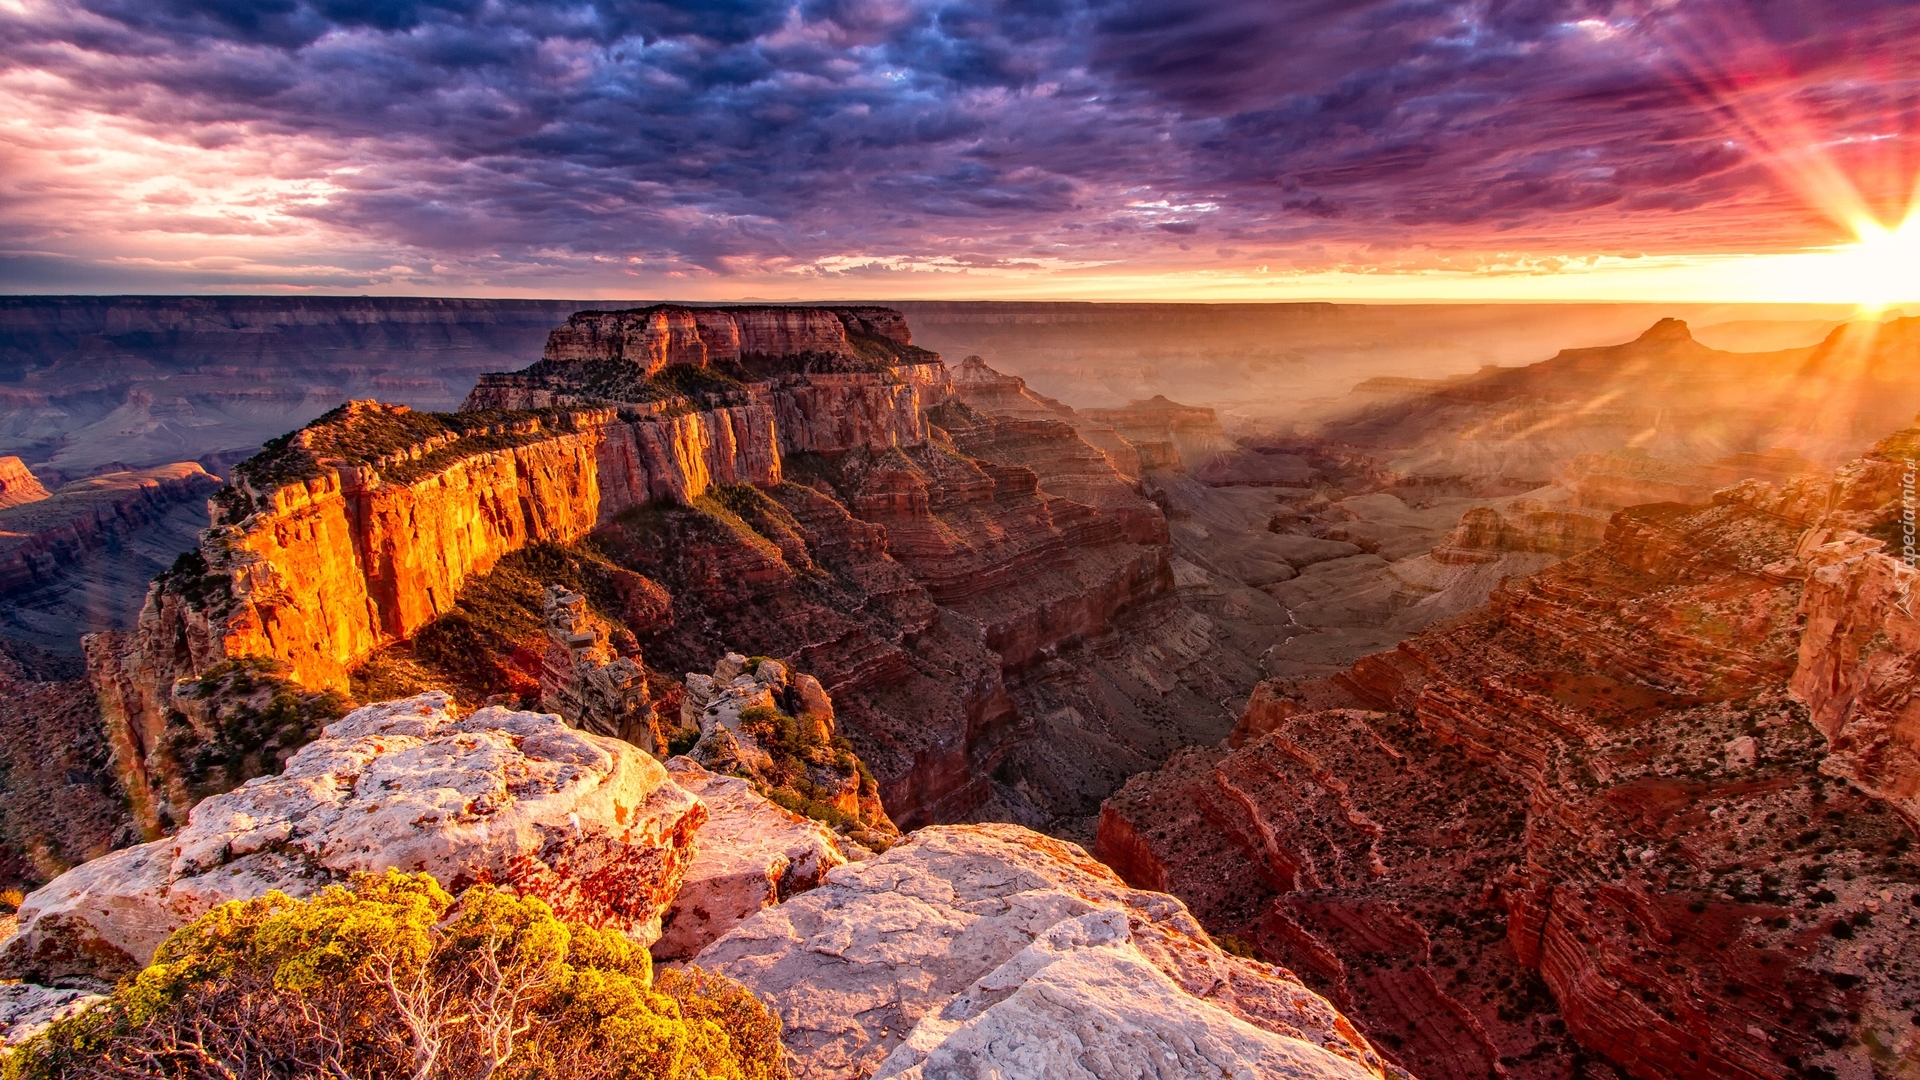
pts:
[392, 977]
[1234, 946]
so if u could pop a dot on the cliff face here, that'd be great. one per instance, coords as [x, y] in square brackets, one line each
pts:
[985, 596]
[656, 337]
[316, 561]
[1596, 817]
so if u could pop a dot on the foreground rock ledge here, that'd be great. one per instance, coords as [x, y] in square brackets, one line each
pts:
[588, 823]
[995, 951]
[751, 854]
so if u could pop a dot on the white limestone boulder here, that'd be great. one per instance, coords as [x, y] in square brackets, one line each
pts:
[994, 951]
[590, 824]
[749, 855]
[27, 1010]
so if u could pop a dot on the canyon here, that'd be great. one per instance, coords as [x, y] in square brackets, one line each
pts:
[997, 646]
[1650, 806]
[1484, 726]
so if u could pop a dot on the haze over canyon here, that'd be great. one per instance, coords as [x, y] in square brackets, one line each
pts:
[1433, 702]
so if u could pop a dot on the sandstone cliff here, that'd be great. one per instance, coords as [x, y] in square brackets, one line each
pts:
[359, 530]
[989, 601]
[1593, 818]
[656, 337]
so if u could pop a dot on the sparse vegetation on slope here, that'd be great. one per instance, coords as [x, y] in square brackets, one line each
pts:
[490, 644]
[393, 977]
[241, 719]
[366, 432]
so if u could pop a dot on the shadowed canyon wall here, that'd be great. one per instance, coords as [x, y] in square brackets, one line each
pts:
[1654, 804]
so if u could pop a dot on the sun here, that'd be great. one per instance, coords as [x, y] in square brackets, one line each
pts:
[1883, 268]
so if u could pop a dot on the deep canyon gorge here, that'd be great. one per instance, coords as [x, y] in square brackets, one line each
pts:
[1552, 721]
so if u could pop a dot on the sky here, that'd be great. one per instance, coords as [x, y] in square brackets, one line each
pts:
[1718, 150]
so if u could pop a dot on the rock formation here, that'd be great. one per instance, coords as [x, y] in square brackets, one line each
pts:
[968, 950]
[989, 601]
[656, 337]
[585, 682]
[750, 855]
[1522, 525]
[18, 484]
[989, 950]
[591, 824]
[27, 1010]
[1596, 817]
[756, 719]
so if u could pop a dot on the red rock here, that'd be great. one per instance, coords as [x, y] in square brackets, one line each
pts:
[18, 484]
[1600, 778]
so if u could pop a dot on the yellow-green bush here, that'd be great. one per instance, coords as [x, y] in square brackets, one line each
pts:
[394, 978]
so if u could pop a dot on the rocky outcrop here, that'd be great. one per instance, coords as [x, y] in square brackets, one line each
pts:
[18, 484]
[1167, 434]
[834, 379]
[982, 388]
[1063, 461]
[41, 536]
[27, 1010]
[586, 682]
[1522, 525]
[989, 950]
[1592, 818]
[757, 719]
[750, 855]
[1858, 667]
[590, 824]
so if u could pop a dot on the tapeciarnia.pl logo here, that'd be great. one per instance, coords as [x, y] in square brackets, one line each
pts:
[1909, 556]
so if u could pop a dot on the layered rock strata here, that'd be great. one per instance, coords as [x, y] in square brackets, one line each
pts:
[655, 337]
[358, 531]
[991, 604]
[1597, 817]
[18, 484]
[586, 682]
[590, 824]
[41, 536]
[989, 950]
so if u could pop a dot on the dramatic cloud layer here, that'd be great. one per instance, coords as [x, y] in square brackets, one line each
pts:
[879, 145]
